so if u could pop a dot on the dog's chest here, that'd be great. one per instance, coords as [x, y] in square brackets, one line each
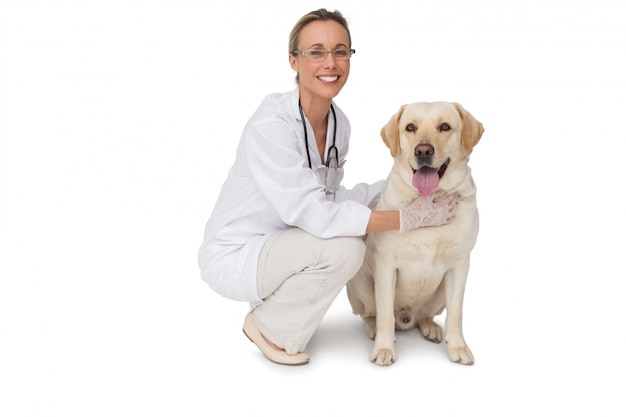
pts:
[421, 257]
[438, 245]
[419, 277]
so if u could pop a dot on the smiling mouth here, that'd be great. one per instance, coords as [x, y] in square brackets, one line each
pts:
[328, 79]
[426, 179]
[440, 172]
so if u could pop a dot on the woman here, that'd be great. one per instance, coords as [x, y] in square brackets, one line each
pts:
[284, 235]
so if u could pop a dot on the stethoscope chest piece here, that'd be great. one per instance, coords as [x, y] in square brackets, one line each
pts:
[332, 168]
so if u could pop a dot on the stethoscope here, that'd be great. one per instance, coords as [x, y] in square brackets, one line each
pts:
[332, 149]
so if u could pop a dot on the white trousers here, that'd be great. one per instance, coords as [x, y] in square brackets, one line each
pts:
[299, 276]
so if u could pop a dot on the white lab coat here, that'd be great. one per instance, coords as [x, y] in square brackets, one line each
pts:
[270, 187]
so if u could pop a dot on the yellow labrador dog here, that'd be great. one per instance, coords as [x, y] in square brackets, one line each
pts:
[409, 278]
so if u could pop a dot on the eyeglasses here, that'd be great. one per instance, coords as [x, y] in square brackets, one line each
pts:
[341, 54]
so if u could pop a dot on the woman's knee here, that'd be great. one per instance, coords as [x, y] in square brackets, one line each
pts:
[350, 253]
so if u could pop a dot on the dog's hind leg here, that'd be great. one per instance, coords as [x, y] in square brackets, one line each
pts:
[425, 316]
[370, 326]
[430, 330]
[360, 291]
[359, 308]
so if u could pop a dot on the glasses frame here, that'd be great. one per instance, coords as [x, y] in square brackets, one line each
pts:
[307, 53]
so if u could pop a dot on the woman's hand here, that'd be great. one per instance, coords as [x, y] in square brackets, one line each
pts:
[428, 211]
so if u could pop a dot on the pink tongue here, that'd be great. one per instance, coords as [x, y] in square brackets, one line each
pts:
[426, 180]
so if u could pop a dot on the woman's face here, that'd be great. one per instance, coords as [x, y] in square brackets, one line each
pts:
[321, 79]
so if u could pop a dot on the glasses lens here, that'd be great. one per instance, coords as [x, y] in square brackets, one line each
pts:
[317, 54]
[342, 54]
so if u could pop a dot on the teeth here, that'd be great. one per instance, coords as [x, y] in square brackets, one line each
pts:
[328, 79]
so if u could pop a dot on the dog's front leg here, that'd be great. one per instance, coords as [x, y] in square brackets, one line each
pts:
[384, 292]
[455, 279]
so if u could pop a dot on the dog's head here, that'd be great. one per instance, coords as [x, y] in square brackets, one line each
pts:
[429, 139]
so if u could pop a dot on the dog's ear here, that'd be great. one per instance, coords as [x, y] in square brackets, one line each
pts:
[391, 134]
[472, 129]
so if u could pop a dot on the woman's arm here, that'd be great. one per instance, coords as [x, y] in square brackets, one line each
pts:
[423, 211]
[383, 221]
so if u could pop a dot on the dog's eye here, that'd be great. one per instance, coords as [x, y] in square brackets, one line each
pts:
[444, 127]
[411, 127]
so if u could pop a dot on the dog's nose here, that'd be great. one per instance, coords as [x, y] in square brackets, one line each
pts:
[424, 153]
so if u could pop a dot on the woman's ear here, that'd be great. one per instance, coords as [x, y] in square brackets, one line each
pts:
[293, 62]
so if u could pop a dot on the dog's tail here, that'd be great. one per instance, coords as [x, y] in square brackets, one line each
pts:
[405, 320]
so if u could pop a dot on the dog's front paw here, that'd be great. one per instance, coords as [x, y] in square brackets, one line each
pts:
[383, 357]
[461, 354]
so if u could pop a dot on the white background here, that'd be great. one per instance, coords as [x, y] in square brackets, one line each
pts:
[119, 121]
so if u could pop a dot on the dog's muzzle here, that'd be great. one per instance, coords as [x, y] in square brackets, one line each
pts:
[426, 179]
[424, 154]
